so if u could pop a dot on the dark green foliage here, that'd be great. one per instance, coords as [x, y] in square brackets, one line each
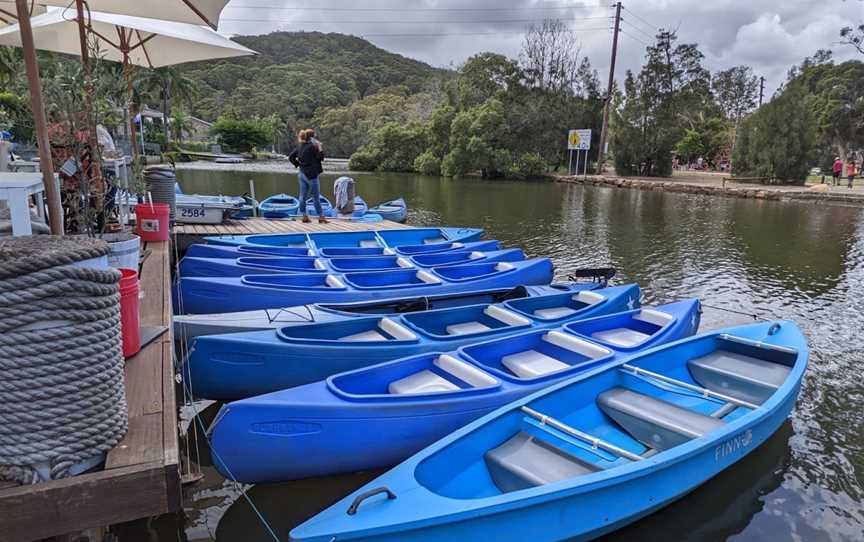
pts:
[428, 163]
[393, 147]
[671, 94]
[242, 135]
[706, 141]
[777, 140]
[15, 116]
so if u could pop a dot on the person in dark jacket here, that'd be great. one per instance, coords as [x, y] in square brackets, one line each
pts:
[307, 157]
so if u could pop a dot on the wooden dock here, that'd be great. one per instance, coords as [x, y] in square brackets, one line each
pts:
[141, 476]
[289, 225]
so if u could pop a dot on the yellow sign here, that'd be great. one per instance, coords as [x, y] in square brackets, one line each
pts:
[579, 140]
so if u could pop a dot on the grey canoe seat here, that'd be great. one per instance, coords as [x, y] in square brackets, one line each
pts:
[737, 375]
[525, 461]
[655, 423]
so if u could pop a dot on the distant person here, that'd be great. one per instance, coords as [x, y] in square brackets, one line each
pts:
[307, 158]
[851, 171]
[837, 169]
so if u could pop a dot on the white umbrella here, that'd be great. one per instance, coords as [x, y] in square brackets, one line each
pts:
[121, 38]
[130, 40]
[182, 11]
[8, 15]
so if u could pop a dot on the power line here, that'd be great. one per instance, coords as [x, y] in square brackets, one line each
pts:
[403, 10]
[435, 35]
[634, 38]
[650, 25]
[634, 27]
[498, 21]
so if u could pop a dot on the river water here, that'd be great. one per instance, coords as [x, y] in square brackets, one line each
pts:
[799, 261]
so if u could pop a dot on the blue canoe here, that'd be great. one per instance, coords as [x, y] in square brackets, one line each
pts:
[238, 365]
[359, 239]
[221, 251]
[395, 210]
[204, 295]
[375, 417]
[187, 327]
[249, 265]
[588, 455]
[279, 206]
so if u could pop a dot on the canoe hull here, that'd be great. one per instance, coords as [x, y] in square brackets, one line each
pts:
[222, 267]
[233, 252]
[205, 295]
[238, 365]
[187, 327]
[351, 436]
[390, 238]
[394, 211]
[581, 507]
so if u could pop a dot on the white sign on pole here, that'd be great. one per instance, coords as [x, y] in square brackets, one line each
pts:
[579, 140]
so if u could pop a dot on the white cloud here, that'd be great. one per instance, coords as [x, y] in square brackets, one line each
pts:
[769, 35]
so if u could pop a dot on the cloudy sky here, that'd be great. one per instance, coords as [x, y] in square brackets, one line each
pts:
[769, 35]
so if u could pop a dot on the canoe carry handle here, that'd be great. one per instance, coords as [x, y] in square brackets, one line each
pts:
[601, 275]
[371, 493]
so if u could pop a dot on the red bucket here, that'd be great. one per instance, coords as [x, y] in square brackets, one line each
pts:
[129, 319]
[153, 221]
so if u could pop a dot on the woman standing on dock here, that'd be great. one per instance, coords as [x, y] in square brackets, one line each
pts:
[307, 157]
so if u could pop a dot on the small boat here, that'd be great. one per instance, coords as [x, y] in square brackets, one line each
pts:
[187, 327]
[359, 239]
[204, 295]
[279, 206]
[238, 365]
[396, 409]
[234, 252]
[327, 208]
[585, 456]
[248, 265]
[395, 210]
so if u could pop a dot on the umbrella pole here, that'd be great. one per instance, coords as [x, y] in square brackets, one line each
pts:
[92, 139]
[34, 83]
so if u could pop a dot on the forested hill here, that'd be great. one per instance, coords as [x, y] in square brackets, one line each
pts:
[296, 73]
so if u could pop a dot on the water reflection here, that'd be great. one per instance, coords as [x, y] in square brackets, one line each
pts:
[798, 261]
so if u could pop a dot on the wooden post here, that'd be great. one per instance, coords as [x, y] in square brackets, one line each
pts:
[55, 211]
[92, 139]
[601, 152]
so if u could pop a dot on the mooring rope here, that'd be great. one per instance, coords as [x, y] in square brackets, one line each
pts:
[62, 395]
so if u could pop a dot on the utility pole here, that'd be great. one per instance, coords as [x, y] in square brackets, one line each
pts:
[601, 153]
[761, 89]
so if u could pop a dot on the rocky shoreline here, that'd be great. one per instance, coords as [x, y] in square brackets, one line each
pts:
[816, 193]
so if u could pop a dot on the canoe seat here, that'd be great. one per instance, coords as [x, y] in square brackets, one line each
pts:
[531, 364]
[655, 423]
[426, 381]
[621, 336]
[737, 375]
[466, 328]
[387, 330]
[367, 243]
[434, 240]
[402, 262]
[333, 282]
[554, 312]
[495, 312]
[525, 461]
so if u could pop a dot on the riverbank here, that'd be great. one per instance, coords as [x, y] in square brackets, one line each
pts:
[720, 185]
[331, 165]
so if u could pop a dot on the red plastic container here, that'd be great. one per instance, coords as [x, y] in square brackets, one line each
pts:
[153, 221]
[130, 321]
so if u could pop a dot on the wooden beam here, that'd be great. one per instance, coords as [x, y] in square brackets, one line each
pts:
[34, 84]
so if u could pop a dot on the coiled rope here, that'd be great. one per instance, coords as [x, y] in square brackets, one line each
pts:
[62, 392]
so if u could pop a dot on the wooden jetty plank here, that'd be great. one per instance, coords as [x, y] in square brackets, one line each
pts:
[73, 504]
[263, 225]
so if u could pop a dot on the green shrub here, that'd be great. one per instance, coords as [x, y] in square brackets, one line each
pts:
[428, 164]
[363, 160]
[242, 135]
[529, 164]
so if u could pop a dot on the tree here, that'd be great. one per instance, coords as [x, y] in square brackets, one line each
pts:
[550, 56]
[165, 85]
[670, 94]
[242, 135]
[736, 91]
[777, 140]
[181, 123]
[835, 93]
[853, 36]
